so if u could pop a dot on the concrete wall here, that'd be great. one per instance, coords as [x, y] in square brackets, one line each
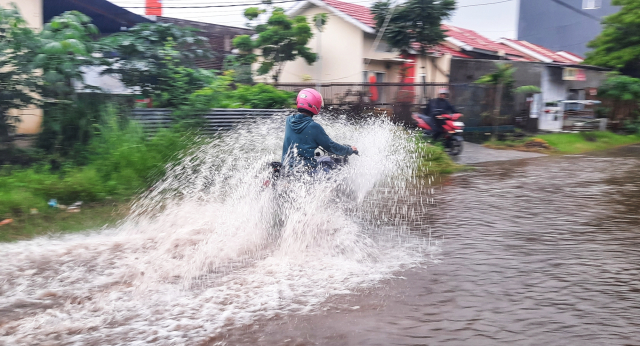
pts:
[31, 11]
[30, 120]
[470, 70]
[547, 78]
[556, 27]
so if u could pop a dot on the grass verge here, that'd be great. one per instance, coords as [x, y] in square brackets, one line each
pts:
[432, 159]
[122, 162]
[567, 143]
[52, 221]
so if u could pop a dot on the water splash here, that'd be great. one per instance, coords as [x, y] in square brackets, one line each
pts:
[209, 247]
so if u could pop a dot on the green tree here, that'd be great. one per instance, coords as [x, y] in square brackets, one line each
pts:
[501, 79]
[67, 43]
[414, 25]
[141, 57]
[18, 83]
[176, 83]
[280, 40]
[618, 45]
[624, 93]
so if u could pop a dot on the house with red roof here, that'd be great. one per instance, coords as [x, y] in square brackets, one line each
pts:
[349, 52]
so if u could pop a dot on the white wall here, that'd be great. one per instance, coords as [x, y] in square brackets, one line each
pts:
[438, 73]
[31, 11]
[552, 86]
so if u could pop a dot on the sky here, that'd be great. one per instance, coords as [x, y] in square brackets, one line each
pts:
[491, 18]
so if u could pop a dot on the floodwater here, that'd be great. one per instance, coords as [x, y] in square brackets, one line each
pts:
[524, 252]
[536, 252]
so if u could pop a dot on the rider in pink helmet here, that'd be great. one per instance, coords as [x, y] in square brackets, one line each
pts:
[303, 136]
[310, 100]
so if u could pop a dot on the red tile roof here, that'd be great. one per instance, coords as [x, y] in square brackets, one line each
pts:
[466, 36]
[545, 52]
[360, 13]
[475, 40]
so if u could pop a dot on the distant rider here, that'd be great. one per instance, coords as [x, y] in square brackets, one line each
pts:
[303, 136]
[436, 107]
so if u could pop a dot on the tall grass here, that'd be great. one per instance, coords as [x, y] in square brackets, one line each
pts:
[122, 160]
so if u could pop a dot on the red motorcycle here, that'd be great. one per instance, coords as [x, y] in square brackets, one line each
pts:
[453, 128]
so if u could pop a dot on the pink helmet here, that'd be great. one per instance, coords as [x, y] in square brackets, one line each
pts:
[310, 100]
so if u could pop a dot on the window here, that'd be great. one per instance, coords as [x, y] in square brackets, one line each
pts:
[591, 4]
[380, 77]
[365, 76]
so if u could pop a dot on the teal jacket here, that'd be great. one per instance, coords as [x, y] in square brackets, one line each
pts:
[307, 135]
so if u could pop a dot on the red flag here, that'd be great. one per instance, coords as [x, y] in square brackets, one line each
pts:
[154, 8]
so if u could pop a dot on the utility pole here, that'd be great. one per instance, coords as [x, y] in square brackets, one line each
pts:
[319, 61]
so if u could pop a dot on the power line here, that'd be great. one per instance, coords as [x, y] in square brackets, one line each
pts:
[487, 3]
[208, 6]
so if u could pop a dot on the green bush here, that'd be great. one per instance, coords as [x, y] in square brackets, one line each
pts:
[263, 96]
[632, 126]
[220, 95]
[122, 161]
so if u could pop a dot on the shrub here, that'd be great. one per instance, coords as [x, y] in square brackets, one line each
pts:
[263, 96]
[122, 160]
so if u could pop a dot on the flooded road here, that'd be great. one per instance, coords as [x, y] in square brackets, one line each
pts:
[536, 252]
[523, 252]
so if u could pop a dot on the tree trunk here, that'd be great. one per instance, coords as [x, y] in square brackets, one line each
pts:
[496, 111]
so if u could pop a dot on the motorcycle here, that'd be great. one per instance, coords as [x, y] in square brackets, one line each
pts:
[326, 162]
[452, 128]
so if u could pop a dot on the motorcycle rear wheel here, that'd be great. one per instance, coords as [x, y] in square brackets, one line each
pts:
[455, 147]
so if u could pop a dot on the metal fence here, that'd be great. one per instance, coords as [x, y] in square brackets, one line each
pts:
[375, 94]
[217, 119]
[477, 101]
